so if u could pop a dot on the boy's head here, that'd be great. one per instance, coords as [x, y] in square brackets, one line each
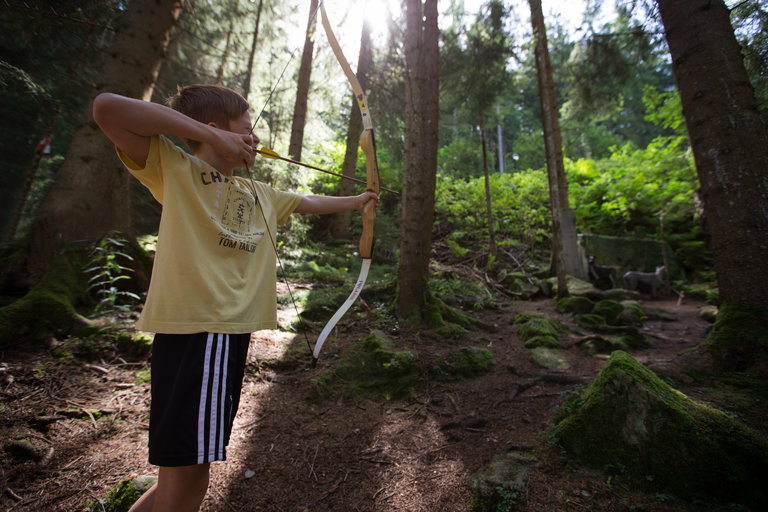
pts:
[208, 104]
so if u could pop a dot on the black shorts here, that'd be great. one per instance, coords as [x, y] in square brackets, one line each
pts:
[196, 383]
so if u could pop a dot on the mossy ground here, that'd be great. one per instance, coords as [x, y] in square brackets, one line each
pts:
[349, 450]
[375, 367]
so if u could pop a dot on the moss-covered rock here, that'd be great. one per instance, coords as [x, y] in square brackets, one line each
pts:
[610, 310]
[708, 313]
[521, 284]
[576, 287]
[134, 344]
[373, 366]
[629, 418]
[590, 320]
[633, 339]
[501, 485]
[599, 345]
[530, 325]
[548, 358]
[21, 450]
[620, 294]
[123, 495]
[542, 340]
[575, 305]
[463, 362]
[632, 313]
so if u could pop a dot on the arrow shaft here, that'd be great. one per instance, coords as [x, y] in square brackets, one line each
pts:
[297, 162]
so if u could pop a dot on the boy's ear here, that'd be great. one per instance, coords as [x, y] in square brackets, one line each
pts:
[220, 126]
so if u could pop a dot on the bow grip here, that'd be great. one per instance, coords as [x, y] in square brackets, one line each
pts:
[366, 239]
[368, 145]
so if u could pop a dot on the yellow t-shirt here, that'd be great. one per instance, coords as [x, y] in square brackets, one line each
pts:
[214, 269]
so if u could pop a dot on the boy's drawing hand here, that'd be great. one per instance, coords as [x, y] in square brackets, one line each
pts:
[236, 147]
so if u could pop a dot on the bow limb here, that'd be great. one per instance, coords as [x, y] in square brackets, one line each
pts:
[368, 145]
[353, 81]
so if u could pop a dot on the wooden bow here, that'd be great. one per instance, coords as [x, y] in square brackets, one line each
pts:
[368, 145]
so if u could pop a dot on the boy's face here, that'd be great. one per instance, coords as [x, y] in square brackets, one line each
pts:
[241, 124]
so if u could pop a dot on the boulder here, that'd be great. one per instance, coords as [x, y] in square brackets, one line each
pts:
[630, 418]
[501, 485]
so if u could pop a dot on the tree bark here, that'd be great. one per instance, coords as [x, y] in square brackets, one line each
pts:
[488, 206]
[340, 222]
[91, 194]
[565, 254]
[729, 142]
[302, 87]
[420, 159]
[254, 40]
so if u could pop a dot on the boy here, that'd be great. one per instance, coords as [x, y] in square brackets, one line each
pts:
[213, 281]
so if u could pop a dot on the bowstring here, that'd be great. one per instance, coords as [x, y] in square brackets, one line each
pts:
[302, 325]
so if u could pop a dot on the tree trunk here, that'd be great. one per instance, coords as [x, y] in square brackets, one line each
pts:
[420, 159]
[729, 142]
[302, 87]
[254, 40]
[340, 222]
[565, 254]
[500, 141]
[91, 194]
[225, 56]
[47, 134]
[488, 208]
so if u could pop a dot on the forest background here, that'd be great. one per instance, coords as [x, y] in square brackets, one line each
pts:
[632, 169]
[627, 156]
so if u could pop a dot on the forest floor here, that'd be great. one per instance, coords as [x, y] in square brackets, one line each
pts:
[85, 424]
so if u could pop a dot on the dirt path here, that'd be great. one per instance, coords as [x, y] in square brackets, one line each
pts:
[87, 423]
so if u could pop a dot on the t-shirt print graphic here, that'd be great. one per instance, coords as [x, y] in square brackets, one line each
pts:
[237, 218]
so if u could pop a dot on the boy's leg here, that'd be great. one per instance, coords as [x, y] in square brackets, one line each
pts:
[178, 489]
[145, 502]
[181, 489]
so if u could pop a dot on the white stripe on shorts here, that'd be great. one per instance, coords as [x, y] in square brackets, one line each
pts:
[217, 381]
[222, 398]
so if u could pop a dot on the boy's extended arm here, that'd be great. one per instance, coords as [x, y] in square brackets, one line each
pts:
[334, 204]
[130, 124]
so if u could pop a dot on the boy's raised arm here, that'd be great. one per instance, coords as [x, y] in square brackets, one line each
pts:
[333, 204]
[130, 123]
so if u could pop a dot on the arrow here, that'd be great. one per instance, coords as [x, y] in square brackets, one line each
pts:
[269, 153]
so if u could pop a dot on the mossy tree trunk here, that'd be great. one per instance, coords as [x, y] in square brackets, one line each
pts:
[50, 307]
[730, 146]
[91, 194]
